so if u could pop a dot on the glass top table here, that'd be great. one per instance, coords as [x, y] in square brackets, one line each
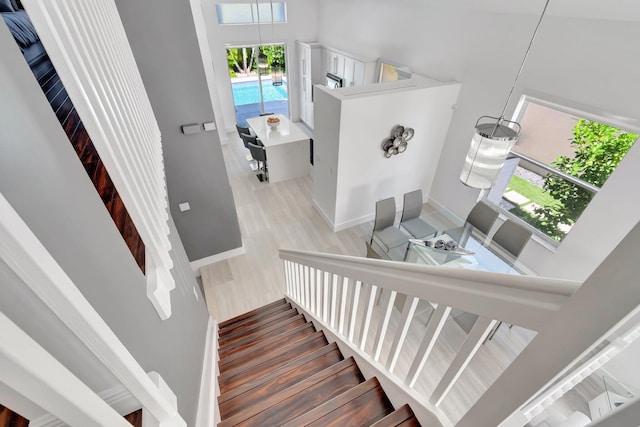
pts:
[484, 256]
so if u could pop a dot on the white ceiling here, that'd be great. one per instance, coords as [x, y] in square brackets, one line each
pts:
[617, 10]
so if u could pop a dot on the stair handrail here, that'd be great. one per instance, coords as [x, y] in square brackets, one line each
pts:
[522, 300]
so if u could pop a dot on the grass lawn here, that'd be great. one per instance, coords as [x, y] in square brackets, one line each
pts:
[532, 192]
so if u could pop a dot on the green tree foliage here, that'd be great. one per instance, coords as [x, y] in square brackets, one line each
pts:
[241, 60]
[598, 150]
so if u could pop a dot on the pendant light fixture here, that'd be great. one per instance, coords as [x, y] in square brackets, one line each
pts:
[262, 58]
[493, 138]
[276, 66]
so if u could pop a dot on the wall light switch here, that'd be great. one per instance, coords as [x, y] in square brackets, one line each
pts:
[191, 128]
[184, 207]
[209, 126]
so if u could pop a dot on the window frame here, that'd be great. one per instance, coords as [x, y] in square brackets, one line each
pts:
[584, 112]
[254, 18]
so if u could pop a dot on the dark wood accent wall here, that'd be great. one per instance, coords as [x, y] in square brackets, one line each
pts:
[70, 121]
[135, 418]
[8, 418]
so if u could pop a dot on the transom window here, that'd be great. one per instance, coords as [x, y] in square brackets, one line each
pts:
[251, 13]
[559, 163]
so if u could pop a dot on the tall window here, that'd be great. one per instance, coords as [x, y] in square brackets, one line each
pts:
[251, 13]
[559, 163]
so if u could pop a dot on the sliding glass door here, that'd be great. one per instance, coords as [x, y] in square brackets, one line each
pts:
[258, 80]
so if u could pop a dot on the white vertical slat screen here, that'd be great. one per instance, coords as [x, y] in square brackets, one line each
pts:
[87, 44]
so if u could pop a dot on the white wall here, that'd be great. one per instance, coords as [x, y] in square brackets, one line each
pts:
[301, 25]
[584, 62]
[363, 174]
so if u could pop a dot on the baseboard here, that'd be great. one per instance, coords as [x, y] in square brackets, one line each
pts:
[354, 222]
[199, 263]
[208, 413]
[448, 213]
[322, 214]
[118, 397]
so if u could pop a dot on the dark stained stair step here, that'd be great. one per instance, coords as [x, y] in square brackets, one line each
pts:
[284, 378]
[255, 322]
[265, 364]
[276, 373]
[246, 356]
[402, 416]
[256, 337]
[362, 405]
[299, 398]
[252, 313]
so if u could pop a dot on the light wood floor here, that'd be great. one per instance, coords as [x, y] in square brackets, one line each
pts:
[272, 216]
[282, 215]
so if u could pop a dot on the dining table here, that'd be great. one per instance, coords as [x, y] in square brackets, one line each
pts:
[287, 147]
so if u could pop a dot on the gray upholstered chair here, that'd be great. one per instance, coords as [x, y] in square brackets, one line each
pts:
[410, 219]
[387, 236]
[259, 154]
[482, 217]
[512, 237]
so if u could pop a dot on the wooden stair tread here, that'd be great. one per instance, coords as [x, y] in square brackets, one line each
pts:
[257, 311]
[248, 355]
[255, 322]
[282, 380]
[289, 352]
[276, 373]
[402, 416]
[295, 400]
[257, 336]
[362, 405]
[276, 369]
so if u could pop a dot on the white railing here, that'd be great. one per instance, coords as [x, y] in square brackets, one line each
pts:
[354, 299]
[25, 255]
[88, 46]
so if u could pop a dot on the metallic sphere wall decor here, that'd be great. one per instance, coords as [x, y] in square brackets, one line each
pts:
[397, 142]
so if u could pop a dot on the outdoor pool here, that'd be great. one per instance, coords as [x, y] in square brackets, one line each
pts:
[248, 92]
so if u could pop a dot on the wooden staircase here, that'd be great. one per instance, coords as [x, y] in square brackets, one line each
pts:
[277, 370]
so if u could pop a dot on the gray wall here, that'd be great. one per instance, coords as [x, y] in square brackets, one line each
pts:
[163, 39]
[42, 178]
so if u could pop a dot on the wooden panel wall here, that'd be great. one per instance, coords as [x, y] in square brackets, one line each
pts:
[8, 418]
[70, 121]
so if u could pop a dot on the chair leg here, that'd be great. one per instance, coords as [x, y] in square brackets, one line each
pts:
[493, 332]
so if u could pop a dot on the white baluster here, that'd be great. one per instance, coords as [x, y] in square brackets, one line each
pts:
[434, 327]
[312, 288]
[334, 300]
[354, 309]
[307, 288]
[319, 296]
[389, 298]
[369, 301]
[343, 305]
[325, 307]
[474, 340]
[408, 310]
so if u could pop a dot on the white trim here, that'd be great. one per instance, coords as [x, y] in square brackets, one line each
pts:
[208, 414]
[30, 370]
[29, 259]
[203, 262]
[324, 216]
[118, 397]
